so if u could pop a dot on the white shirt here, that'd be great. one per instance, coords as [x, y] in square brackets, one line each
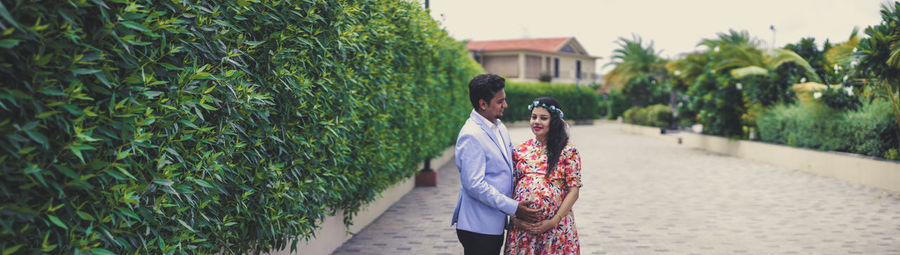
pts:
[495, 128]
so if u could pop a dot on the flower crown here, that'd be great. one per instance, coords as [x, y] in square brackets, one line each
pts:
[550, 108]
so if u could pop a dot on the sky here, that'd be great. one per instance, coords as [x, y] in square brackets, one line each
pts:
[674, 26]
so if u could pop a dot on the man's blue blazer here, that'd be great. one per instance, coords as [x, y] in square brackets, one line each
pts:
[486, 176]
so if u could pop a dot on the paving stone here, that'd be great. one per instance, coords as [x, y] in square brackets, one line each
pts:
[642, 195]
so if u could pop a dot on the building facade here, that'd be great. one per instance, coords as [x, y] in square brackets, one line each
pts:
[564, 60]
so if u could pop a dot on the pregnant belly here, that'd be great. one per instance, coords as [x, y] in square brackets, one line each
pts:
[545, 196]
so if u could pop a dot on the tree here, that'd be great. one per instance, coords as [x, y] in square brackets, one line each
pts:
[684, 72]
[639, 72]
[632, 59]
[714, 78]
[879, 57]
[839, 62]
[756, 72]
[806, 48]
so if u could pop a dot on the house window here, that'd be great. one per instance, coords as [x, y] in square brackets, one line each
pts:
[577, 69]
[555, 67]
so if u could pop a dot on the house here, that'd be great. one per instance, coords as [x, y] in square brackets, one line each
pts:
[563, 59]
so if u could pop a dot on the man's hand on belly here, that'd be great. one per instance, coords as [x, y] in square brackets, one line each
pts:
[523, 212]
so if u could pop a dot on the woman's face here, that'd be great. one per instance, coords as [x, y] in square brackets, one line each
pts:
[540, 121]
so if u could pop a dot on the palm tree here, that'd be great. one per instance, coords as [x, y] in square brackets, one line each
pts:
[632, 59]
[842, 53]
[740, 53]
[808, 49]
[687, 69]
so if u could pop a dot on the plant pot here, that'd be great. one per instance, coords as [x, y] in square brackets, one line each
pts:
[426, 178]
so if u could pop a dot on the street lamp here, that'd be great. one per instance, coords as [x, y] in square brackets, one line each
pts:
[772, 27]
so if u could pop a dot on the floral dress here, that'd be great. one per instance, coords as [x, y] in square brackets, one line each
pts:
[530, 163]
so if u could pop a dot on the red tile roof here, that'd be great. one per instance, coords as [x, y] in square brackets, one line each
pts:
[540, 44]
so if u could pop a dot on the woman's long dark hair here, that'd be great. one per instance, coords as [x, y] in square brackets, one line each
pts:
[557, 137]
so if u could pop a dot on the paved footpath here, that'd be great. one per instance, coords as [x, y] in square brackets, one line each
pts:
[646, 196]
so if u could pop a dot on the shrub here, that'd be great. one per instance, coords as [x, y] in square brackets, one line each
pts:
[840, 98]
[578, 102]
[172, 127]
[613, 104]
[655, 115]
[644, 90]
[773, 88]
[719, 104]
[872, 129]
[630, 115]
[869, 130]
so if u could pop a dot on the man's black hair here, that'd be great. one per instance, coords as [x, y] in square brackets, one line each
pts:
[483, 87]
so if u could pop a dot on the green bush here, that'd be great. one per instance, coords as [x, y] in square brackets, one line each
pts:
[631, 115]
[840, 98]
[613, 105]
[655, 115]
[578, 102]
[163, 127]
[873, 130]
[719, 104]
[644, 90]
[685, 117]
[869, 130]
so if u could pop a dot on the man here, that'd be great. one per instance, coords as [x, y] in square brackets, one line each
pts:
[484, 159]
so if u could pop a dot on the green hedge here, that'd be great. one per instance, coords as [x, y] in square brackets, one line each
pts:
[613, 105]
[578, 102]
[655, 115]
[869, 130]
[166, 127]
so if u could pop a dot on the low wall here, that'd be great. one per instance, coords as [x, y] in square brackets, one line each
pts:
[654, 132]
[332, 232]
[869, 171]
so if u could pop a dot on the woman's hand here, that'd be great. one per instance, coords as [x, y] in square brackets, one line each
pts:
[521, 223]
[563, 211]
[542, 226]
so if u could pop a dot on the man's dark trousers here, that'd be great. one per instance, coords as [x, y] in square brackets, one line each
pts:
[478, 244]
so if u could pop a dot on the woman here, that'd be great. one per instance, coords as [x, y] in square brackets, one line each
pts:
[554, 191]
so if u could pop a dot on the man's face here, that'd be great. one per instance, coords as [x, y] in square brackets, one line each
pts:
[493, 110]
